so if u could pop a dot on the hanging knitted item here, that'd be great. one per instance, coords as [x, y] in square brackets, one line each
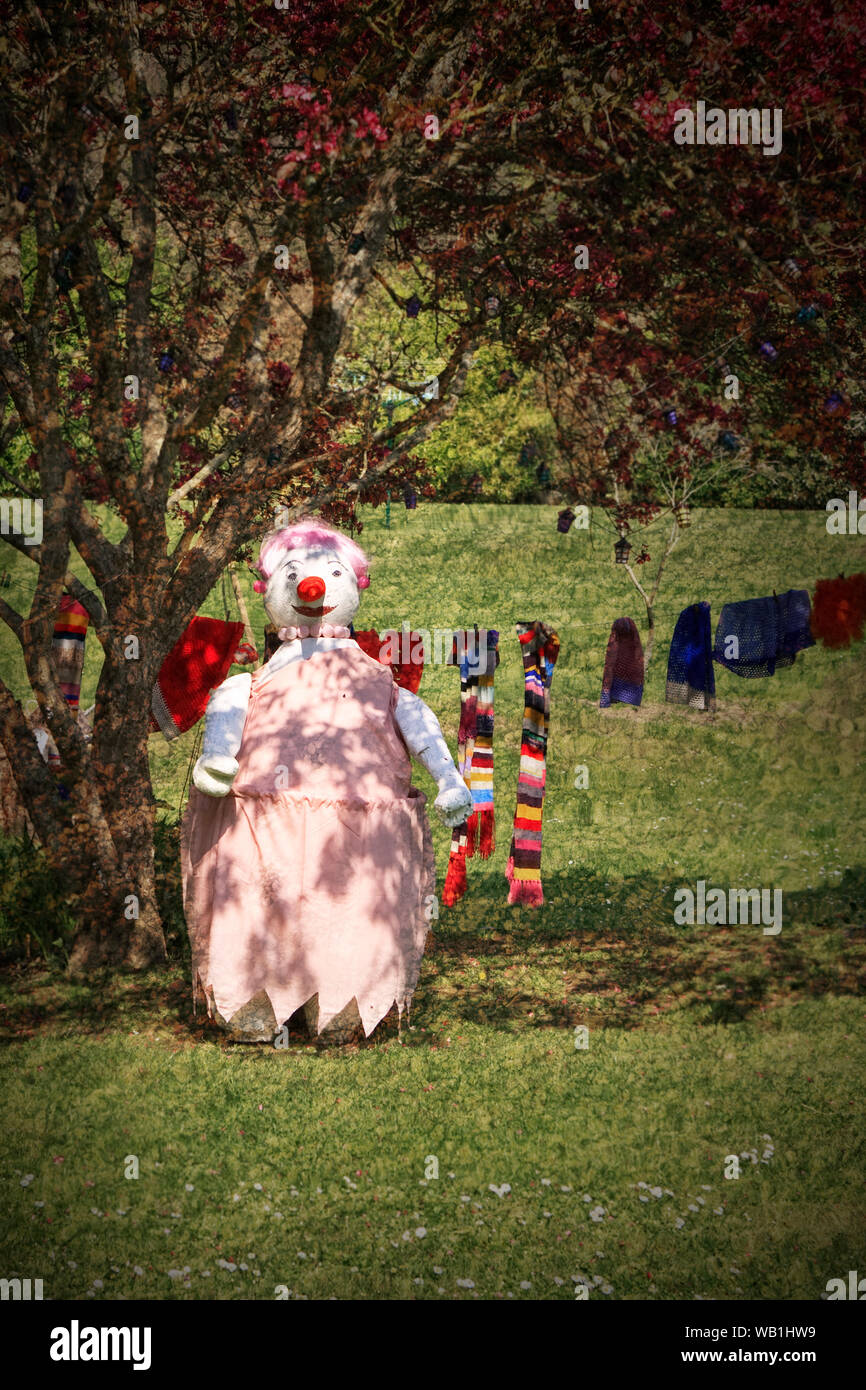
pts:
[758, 636]
[407, 666]
[482, 819]
[691, 676]
[197, 663]
[839, 610]
[67, 648]
[622, 682]
[540, 648]
[476, 653]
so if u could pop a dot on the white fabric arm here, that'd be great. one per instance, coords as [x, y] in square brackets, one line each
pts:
[224, 722]
[423, 737]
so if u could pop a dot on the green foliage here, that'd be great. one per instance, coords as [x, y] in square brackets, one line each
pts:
[35, 918]
[486, 433]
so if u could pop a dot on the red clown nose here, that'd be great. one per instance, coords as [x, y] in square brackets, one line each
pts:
[311, 589]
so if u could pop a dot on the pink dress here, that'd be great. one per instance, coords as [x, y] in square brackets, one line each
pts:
[315, 874]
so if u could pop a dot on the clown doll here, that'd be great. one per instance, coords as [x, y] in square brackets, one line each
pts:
[307, 857]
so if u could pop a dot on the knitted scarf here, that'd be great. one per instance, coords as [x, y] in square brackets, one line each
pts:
[70, 631]
[540, 648]
[477, 657]
[198, 662]
[839, 610]
[622, 682]
[691, 677]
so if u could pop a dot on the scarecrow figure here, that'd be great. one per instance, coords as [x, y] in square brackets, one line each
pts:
[308, 867]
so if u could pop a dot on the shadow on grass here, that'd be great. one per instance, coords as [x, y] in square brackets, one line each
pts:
[597, 953]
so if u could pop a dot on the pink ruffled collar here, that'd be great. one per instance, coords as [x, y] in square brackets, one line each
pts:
[291, 634]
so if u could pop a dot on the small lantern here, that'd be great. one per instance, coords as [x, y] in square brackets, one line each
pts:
[768, 352]
[807, 313]
[413, 307]
[564, 520]
[683, 515]
[410, 498]
[729, 441]
[670, 417]
[833, 402]
[25, 191]
[622, 550]
[166, 361]
[491, 304]
[357, 242]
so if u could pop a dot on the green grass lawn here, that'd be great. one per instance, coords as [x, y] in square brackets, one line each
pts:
[314, 1169]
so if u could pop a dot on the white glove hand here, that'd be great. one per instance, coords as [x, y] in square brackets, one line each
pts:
[214, 775]
[454, 804]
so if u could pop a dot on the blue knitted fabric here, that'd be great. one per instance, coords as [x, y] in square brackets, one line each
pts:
[691, 678]
[769, 632]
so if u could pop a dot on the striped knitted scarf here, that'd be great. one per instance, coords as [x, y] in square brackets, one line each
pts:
[540, 648]
[477, 655]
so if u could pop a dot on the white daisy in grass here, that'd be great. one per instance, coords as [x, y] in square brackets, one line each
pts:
[466, 1283]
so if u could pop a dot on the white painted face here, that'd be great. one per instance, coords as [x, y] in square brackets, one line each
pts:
[309, 586]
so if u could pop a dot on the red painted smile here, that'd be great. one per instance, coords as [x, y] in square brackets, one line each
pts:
[313, 612]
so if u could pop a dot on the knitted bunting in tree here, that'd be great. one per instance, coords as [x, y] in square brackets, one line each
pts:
[70, 631]
[477, 655]
[540, 648]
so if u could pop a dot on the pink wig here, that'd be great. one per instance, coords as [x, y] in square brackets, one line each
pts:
[311, 532]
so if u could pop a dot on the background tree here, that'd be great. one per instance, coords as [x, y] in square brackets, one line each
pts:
[198, 202]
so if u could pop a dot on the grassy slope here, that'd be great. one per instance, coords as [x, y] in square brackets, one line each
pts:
[702, 1040]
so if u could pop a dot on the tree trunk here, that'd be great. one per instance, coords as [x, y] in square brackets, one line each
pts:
[129, 931]
[651, 630]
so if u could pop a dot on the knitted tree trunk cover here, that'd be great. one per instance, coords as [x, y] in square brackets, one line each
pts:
[477, 655]
[70, 631]
[540, 648]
